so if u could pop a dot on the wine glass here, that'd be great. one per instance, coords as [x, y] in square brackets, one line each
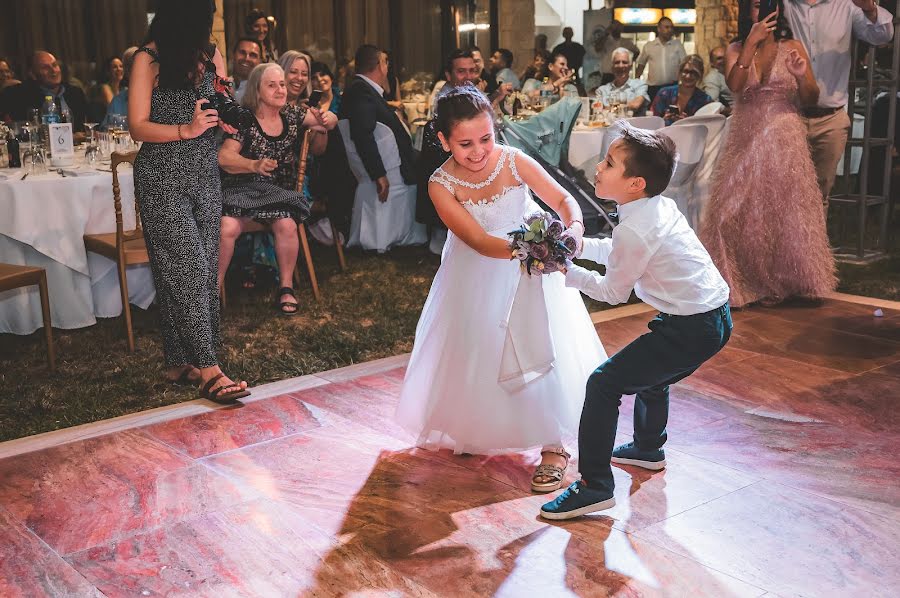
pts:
[37, 160]
[90, 152]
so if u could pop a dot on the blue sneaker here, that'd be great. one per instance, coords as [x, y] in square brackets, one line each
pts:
[629, 454]
[577, 500]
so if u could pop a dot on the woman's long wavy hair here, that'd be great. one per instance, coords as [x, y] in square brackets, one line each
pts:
[746, 22]
[181, 30]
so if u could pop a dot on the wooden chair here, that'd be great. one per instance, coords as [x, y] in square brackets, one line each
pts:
[254, 227]
[16, 277]
[126, 248]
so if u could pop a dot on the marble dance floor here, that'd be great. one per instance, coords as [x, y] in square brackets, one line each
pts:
[782, 481]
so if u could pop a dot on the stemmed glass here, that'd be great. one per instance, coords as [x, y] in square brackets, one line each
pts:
[91, 151]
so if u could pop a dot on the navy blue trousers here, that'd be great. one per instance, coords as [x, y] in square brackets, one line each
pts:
[673, 349]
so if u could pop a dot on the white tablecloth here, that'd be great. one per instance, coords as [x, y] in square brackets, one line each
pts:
[585, 145]
[43, 221]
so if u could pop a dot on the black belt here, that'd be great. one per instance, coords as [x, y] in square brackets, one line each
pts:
[819, 111]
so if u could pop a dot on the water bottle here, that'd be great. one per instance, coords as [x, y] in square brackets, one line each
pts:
[546, 92]
[12, 147]
[49, 115]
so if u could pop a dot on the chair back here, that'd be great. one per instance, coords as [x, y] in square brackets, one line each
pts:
[387, 149]
[304, 155]
[651, 123]
[711, 108]
[689, 141]
[122, 235]
[714, 122]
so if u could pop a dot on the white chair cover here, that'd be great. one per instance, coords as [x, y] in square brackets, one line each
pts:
[375, 225]
[716, 129]
[690, 140]
[651, 123]
[711, 108]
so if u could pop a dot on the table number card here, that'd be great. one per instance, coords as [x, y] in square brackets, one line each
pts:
[62, 148]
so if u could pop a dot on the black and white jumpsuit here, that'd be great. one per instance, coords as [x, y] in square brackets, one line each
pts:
[178, 187]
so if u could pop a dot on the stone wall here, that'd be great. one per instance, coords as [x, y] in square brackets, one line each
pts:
[716, 24]
[517, 31]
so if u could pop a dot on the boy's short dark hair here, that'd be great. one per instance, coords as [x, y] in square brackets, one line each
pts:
[649, 155]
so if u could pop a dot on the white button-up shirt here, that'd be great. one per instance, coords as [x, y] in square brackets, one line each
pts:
[654, 252]
[716, 87]
[663, 60]
[632, 88]
[824, 29]
[378, 88]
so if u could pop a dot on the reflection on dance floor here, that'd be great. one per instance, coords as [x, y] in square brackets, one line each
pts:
[781, 478]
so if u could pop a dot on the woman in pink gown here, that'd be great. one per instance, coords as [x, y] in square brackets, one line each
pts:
[765, 226]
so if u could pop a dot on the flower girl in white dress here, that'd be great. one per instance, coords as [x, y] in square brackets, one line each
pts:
[500, 359]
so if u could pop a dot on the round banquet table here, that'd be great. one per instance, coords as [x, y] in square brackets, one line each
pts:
[44, 219]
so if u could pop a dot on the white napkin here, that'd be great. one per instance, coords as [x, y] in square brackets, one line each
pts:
[75, 171]
[528, 351]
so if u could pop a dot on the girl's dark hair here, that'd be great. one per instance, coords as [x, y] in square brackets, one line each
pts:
[746, 22]
[458, 104]
[181, 31]
[103, 70]
[320, 68]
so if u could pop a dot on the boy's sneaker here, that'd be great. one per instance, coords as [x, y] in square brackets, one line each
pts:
[629, 454]
[577, 500]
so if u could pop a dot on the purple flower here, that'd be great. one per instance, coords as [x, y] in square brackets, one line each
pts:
[570, 242]
[555, 229]
[539, 251]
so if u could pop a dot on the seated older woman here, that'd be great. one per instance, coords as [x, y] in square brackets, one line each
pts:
[260, 180]
[633, 92]
[679, 101]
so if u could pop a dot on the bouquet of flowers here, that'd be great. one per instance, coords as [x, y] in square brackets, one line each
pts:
[542, 245]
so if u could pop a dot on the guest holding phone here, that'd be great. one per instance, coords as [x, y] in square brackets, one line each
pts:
[764, 226]
[176, 177]
[679, 101]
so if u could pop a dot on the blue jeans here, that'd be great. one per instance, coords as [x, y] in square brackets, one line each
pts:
[673, 349]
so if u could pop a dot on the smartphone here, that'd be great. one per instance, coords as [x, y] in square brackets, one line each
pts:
[674, 109]
[315, 97]
[766, 7]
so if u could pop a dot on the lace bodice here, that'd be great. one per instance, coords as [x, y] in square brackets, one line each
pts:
[502, 211]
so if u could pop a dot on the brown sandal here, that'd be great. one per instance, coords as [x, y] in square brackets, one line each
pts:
[554, 472]
[221, 394]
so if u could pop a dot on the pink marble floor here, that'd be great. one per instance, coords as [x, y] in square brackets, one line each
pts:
[782, 481]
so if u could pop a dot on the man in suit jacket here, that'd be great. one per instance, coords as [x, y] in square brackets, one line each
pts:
[45, 80]
[363, 104]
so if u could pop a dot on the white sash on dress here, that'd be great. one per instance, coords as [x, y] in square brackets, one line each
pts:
[528, 351]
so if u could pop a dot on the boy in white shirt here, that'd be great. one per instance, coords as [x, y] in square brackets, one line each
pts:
[654, 251]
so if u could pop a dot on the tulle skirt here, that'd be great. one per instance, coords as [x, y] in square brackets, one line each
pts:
[451, 397]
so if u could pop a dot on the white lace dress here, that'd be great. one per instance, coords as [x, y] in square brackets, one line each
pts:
[452, 397]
